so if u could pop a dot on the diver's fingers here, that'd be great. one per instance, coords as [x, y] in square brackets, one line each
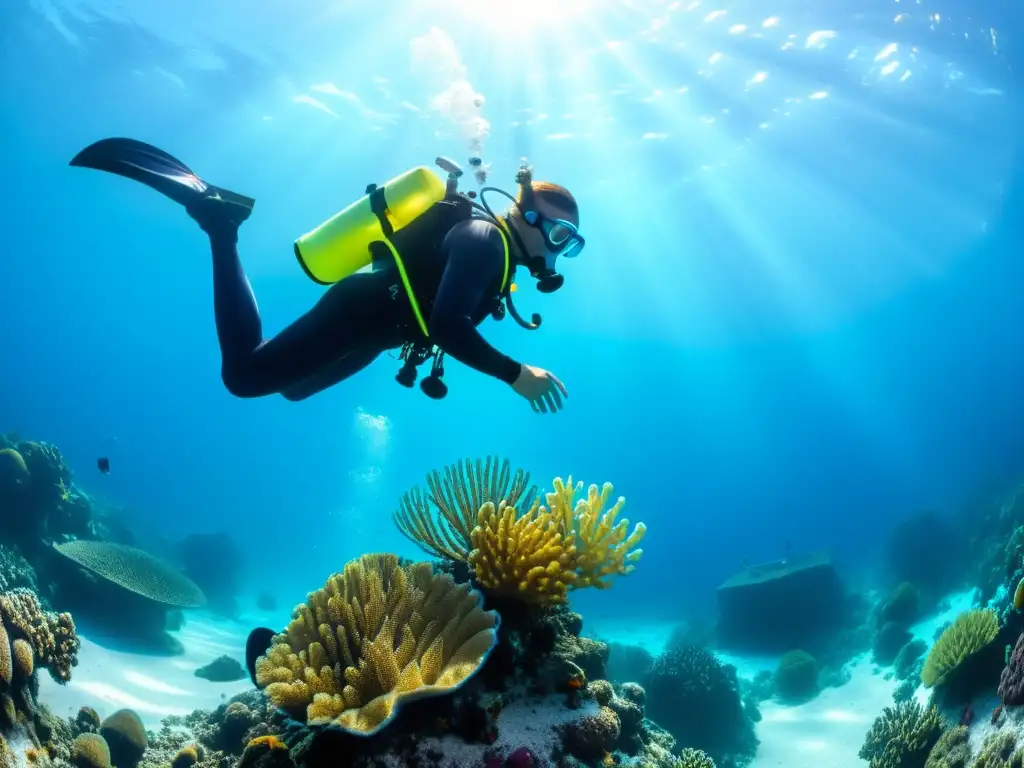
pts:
[554, 399]
[536, 408]
[559, 384]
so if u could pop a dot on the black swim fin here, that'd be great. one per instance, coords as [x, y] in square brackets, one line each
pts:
[257, 644]
[158, 170]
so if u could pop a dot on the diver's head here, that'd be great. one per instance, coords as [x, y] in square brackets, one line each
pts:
[545, 220]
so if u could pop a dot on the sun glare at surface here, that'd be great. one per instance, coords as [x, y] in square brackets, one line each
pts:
[538, 17]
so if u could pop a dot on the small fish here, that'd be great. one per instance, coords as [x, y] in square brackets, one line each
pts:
[103, 464]
[257, 644]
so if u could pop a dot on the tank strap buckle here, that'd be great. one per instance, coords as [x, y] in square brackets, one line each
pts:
[379, 207]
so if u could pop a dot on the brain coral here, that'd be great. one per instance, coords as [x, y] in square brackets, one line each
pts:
[126, 737]
[136, 571]
[90, 750]
[971, 632]
[377, 635]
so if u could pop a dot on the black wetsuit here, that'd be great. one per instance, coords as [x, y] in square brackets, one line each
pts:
[363, 315]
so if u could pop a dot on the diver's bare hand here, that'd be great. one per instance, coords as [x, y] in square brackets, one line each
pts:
[542, 388]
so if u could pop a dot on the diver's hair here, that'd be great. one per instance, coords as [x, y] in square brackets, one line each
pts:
[552, 193]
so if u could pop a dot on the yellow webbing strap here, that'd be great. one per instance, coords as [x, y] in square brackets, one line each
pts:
[408, 286]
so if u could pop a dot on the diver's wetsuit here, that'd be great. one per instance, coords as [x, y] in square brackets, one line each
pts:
[360, 317]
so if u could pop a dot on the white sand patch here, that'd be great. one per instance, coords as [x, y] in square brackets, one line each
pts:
[827, 731]
[154, 686]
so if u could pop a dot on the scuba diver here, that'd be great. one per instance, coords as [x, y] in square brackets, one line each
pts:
[413, 265]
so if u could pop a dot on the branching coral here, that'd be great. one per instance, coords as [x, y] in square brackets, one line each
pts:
[970, 633]
[30, 638]
[606, 548]
[377, 635]
[529, 557]
[540, 555]
[458, 492]
[902, 736]
[51, 635]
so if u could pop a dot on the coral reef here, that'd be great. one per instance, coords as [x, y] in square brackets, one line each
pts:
[999, 750]
[124, 589]
[694, 758]
[126, 737]
[902, 736]
[951, 750]
[376, 635]
[1011, 681]
[136, 571]
[457, 493]
[796, 677]
[534, 555]
[15, 570]
[90, 750]
[696, 698]
[966, 636]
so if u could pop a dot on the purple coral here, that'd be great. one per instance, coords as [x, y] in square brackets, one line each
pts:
[521, 757]
[1011, 681]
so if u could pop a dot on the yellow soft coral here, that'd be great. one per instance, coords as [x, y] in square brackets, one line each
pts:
[604, 547]
[529, 556]
[377, 635]
[542, 554]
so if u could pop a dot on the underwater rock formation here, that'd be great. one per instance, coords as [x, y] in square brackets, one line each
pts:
[223, 669]
[774, 607]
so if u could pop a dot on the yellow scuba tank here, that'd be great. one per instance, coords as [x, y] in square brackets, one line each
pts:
[341, 245]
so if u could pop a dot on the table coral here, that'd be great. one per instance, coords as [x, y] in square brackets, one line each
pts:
[377, 635]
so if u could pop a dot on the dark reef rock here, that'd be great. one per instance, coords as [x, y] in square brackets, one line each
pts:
[890, 639]
[772, 608]
[223, 669]
[696, 698]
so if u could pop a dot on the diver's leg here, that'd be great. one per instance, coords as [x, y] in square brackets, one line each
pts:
[334, 373]
[352, 317]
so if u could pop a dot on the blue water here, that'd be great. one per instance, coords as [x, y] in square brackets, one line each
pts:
[798, 318]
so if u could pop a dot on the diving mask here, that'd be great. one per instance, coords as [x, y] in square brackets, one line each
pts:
[561, 237]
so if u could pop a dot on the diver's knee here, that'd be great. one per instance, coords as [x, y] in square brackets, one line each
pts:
[238, 385]
[294, 396]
